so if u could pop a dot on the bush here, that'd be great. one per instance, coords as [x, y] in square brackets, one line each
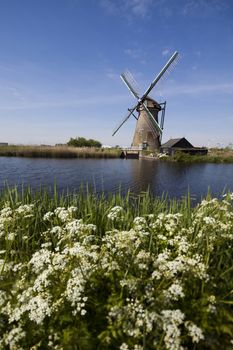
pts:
[82, 142]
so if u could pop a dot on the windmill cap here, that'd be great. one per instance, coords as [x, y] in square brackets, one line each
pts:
[156, 104]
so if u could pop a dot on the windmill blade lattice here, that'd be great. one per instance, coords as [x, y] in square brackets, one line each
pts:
[166, 74]
[130, 83]
[160, 75]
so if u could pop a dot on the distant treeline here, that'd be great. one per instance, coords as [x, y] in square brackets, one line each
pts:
[82, 142]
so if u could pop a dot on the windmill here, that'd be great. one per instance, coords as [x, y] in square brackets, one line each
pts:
[148, 132]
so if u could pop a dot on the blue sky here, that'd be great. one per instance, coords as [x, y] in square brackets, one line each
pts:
[60, 63]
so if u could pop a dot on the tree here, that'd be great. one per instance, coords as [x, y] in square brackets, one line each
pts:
[82, 142]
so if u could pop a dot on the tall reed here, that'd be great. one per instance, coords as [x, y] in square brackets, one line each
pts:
[58, 152]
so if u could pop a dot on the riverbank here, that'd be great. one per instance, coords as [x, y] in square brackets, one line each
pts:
[57, 152]
[116, 272]
[213, 156]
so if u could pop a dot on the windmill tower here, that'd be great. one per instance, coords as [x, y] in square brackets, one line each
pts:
[148, 131]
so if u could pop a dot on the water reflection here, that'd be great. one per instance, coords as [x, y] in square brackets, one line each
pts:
[146, 175]
[108, 174]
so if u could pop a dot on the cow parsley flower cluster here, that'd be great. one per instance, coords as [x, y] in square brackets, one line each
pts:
[153, 280]
[115, 213]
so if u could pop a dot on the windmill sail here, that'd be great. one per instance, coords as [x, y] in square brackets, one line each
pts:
[159, 76]
[152, 119]
[131, 83]
[124, 120]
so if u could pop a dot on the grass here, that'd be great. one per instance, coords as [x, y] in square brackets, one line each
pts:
[111, 272]
[213, 156]
[57, 152]
[91, 207]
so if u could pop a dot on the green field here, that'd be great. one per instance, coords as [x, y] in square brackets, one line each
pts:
[88, 272]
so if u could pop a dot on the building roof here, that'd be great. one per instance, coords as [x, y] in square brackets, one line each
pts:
[170, 143]
[173, 142]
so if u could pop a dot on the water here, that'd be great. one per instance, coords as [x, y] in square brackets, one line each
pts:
[174, 179]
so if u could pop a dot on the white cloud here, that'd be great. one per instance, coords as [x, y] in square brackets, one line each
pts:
[136, 54]
[126, 8]
[111, 74]
[140, 7]
[203, 7]
[165, 8]
[40, 102]
[166, 52]
[221, 88]
[133, 53]
[198, 53]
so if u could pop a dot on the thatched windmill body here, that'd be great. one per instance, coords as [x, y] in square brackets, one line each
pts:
[148, 131]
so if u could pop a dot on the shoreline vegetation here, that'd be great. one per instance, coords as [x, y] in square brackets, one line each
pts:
[58, 152]
[214, 155]
[129, 273]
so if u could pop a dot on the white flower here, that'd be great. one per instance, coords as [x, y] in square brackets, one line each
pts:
[26, 209]
[72, 210]
[174, 292]
[46, 245]
[173, 316]
[59, 261]
[209, 220]
[172, 319]
[48, 216]
[57, 231]
[40, 259]
[62, 214]
[6, 212]
[13, 337]
[39, 308]
[10, 236]
[42, 281]
[211, 308]
[3, 297]
[17, 267]
[74, 292]
[74, 227]
[115, 213]
[139, 221]
[195, 332]
[228, 195]
[212, 299]
[83, 312]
